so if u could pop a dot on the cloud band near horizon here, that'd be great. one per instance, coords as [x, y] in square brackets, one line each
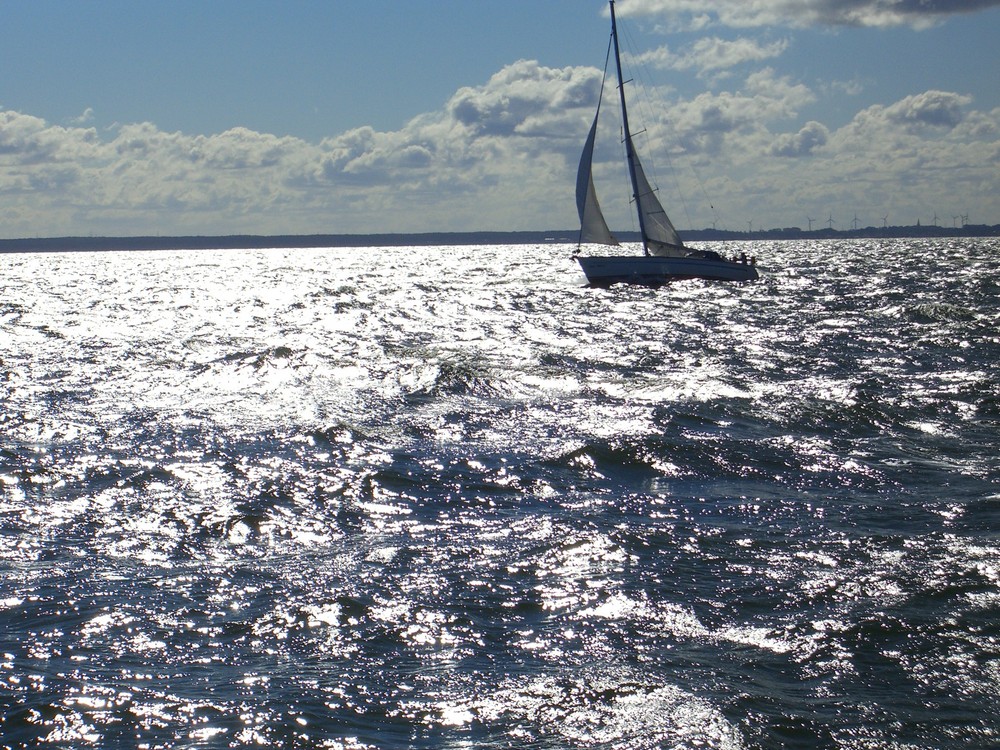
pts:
[502, 156]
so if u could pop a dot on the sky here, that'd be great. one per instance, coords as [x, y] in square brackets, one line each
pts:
[124, 118]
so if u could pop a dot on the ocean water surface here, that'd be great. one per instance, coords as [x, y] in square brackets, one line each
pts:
[448, 497]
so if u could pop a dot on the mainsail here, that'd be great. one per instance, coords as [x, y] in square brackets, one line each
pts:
[658, 235]
[664, 257]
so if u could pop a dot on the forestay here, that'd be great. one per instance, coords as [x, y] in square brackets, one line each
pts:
[660, 236]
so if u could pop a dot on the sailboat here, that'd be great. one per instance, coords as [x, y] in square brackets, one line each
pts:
[664, 256]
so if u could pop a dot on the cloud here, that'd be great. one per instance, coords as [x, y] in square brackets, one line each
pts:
[915, 157]
[503, 155]
[522, 98]
[241, 148]
[804, 13]
[929, 117]
[30, 140]
[811, 136]
[934, 108]
[498, 145]
[86, 116]
[912, 158]
[703, 124]
[713, 54]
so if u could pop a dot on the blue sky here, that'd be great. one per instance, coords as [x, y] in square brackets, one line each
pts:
[229, 117]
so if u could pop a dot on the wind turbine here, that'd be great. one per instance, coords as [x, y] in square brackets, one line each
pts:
[885, 220]
[935, 218]
[829, 221]
[954, 221]
[811, 220]
[965, 219]
[855, 222]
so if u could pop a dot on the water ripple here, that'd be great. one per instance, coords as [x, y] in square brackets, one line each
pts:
[353, 499]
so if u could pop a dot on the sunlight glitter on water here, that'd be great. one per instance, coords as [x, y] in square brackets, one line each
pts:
[345, 495]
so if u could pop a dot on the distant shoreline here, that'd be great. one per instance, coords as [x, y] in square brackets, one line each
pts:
[232, 242]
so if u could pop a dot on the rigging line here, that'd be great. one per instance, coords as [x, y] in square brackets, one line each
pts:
[604, 75]
[638, 74]
[639, 77]
[704, 192]
[607, 63]
[627, 190]
[600, 100]
[641, 102]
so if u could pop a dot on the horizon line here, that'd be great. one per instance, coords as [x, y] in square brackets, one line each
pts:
[551, 236]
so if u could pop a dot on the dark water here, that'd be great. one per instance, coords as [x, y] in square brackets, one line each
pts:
[449, 498]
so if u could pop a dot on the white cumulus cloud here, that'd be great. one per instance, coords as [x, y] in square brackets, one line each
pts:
[486, 160]
[803, 13]
[503, 155]
[713, 54]
[810, 137]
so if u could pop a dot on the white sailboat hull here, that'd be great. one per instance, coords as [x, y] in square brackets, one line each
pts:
[653, 269]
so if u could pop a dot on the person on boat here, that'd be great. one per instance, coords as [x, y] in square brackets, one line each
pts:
[743, 258]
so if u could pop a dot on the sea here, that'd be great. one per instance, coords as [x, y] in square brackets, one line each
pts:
[451, 497]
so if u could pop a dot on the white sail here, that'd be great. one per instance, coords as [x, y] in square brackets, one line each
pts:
[593, 227]
[661, 237]
[664, 257]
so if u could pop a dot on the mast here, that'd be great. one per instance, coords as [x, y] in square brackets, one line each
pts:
[629, 149]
